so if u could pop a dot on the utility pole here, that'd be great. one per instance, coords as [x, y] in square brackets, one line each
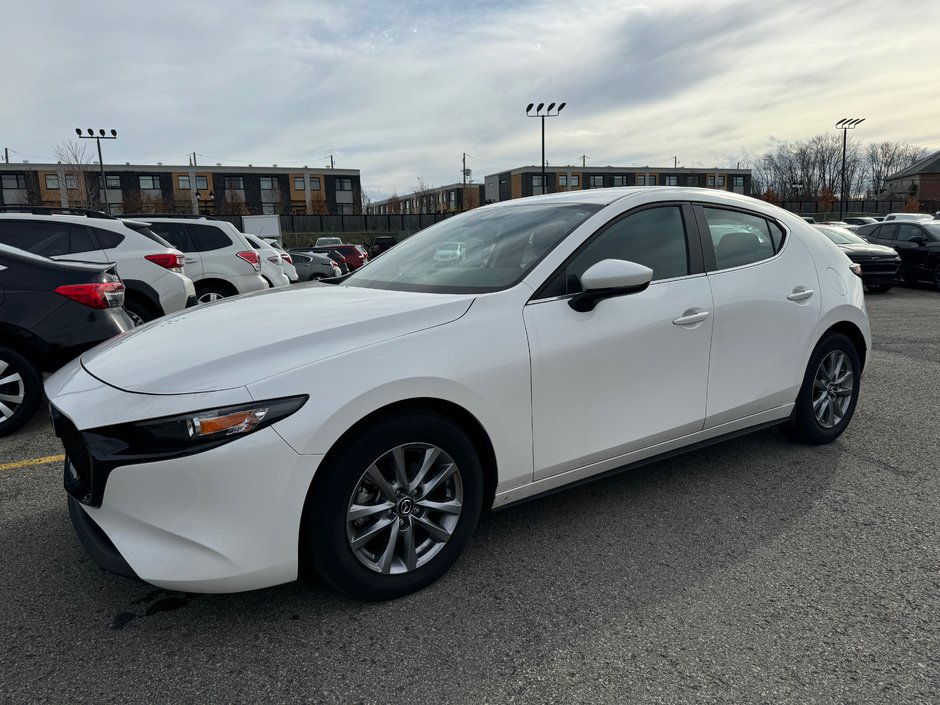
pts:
[194, 159]
[845, 124]
[465, 170]
[675, 162]
[584, 159]
[331, 161]
[6, 154]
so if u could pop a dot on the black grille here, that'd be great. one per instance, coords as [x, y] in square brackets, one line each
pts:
[76, 453]
[881, 267]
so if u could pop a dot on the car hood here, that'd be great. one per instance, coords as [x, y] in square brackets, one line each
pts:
[236, 342]
[868, 250]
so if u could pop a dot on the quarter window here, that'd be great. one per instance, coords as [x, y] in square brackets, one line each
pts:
[742, 238]
[654, 237]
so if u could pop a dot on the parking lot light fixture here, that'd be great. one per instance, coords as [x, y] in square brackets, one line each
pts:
[551, 111]
[845, 124]
[102, 135]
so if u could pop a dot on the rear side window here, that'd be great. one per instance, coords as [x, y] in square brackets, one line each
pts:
[207, 238]
[174, 234]
[47, 239]
[889, 231]
[868, 230]
[741, 238]
[108, 239]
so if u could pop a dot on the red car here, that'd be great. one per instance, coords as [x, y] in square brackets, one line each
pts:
[353, 255]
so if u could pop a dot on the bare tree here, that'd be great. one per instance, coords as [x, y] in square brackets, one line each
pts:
[427, 197]
[80, 179]
[887, 158]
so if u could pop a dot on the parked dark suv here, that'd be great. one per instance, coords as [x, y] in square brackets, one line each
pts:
[50, 312]
[918, 243]
[380, 244]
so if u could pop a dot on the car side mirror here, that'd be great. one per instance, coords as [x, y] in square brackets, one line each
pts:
[607, 279]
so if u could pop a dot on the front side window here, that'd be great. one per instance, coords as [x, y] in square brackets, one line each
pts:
[742, 238]
[499, 247]
[654, 237]
[52, 182]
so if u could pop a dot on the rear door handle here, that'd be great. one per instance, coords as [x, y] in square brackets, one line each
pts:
[799, 294]
[691, 317]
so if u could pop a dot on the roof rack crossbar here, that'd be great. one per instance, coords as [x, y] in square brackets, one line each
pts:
[193, 216]
[61, 210]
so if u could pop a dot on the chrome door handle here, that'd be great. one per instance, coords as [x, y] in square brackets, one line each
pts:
[799, 294]
[190, 261]
[690, 317]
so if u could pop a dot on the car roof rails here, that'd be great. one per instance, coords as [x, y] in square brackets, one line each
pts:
[56, 210]
[192, 216]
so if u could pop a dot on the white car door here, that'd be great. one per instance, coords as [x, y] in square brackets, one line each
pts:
[632, 372]
[767, 304]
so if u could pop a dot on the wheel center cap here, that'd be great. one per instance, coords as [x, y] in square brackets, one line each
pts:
[406, 506]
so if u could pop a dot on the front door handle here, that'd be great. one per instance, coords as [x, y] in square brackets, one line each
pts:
[799, 294]
[691, 317]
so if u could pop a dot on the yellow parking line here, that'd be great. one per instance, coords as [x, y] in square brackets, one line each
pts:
[34, 461]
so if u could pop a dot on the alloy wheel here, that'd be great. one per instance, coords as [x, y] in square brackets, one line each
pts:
[404, 508]
[12, 390]
[209, 297]
[832, 389]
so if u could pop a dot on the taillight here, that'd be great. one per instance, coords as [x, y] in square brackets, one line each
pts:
[101, 295]
[171, 261]
[274, 259]
[287, 258]
[251, 257]
[856, 269]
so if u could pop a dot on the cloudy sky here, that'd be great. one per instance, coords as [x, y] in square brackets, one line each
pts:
[400, 90]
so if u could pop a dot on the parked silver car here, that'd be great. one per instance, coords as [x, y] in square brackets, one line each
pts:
[310, 265]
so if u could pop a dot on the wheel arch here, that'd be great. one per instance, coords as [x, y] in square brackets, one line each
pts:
[853, 333]
[213, 282]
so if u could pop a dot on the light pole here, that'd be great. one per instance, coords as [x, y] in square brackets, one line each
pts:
[539, 114]
[201, 203]
[845, 124]
[100, 136]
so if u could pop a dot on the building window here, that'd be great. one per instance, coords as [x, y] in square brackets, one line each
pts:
[691, 180]
[267, 183]
[182, 182]
[149, 182]
[597, 181]
[112, 181]
[344, 208]
[52, 182]
[721, 180]
[452, 197]
[299, 184]
[234, 183]
[344, 184]
[71, 181]
[268, 208]
[620, 180]
[13, 181]
[202, 183]
[315, 183]
[651, 181]
[562, 179]
[537, 180]
[672, 181]
[737, 181]
[573, 181]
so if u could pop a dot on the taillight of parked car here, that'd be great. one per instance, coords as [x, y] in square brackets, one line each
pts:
[856, 269]
[167, 260]
[287, 259]
[251, 257]
[100, 295]
[274, 259]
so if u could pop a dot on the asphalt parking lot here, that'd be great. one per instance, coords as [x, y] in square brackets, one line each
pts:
[755, 571]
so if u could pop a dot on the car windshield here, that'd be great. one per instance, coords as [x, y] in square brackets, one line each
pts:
[489, 249]
[841, 236]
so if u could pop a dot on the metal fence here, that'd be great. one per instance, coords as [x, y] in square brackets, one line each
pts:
[859, 207]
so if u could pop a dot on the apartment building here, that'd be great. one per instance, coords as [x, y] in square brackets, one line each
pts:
[452, 198]
[527, 180]
[151, 188]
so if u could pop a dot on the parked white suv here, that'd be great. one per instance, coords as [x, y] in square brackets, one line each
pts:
[272, 266]
[152, 270]
[219, 259]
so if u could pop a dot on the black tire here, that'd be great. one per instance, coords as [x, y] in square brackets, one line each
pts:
[324, 539]
[804, 426]
[879, 288]
[936, 278]
[24, 383]
[138, 313]
[316, 277]
[207, 293]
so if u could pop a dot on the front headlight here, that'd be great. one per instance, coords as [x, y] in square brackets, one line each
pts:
[169, 436]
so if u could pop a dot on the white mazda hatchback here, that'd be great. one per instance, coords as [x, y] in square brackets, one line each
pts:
[361, 428]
